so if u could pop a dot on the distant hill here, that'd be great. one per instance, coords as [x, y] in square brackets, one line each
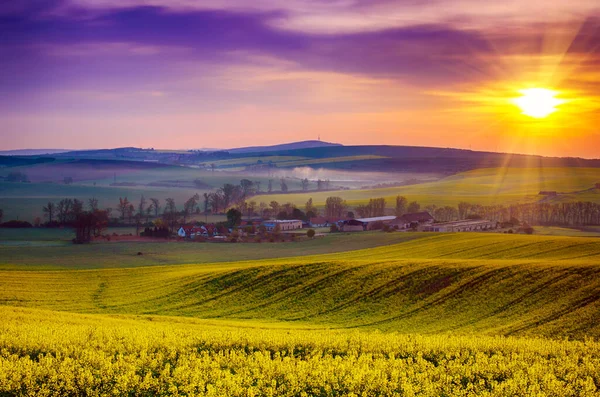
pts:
[31, 152]
[285, 146]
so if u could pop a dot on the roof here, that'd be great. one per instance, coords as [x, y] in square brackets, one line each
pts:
[464, 222]
[417, 217]
[282, 220]
[377, 218]
[326, 219]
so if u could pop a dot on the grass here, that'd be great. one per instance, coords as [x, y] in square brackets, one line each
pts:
[63, 255]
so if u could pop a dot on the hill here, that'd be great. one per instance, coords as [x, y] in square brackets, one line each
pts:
[461, 314]
[491, 284]
[302, 145]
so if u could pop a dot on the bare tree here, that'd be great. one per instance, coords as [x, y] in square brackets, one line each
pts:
[189, 205]
[155, 206]
[123, 207]
[49, 211]
[305, 184]
[93, 204]
[170, 214]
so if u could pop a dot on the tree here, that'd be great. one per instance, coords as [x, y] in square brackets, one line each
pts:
[297, 213]
[76, 209]
[130, 213]
[463, 209]
[310, 210]
[376, 207]
[275, 207]
[63, 210]
[310, 233]
[270, 186]
[170, 214]
[123, 207]
[284, 186]
[320, 184]
[251, 208]
[49, 210]
[189, 205]
[234, 217]
[228, 191]
[1, 214]
[155, 206]
[93, 204]
[335, 206]
[257, 184]
[142, 206]
[401, 205]
[247, 187]
[413, 207]
[89, 224]
[305, 184]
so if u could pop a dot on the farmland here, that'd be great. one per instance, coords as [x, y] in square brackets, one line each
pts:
[482, 186]
[370, 321]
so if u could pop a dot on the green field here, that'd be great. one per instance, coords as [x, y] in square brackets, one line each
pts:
[487, 283]
[51, 249]
[422, 315]
[482, 186]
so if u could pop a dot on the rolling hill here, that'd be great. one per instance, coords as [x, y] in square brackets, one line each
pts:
[491, 284]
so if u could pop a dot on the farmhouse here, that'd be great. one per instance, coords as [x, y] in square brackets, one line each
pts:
[468, 225]
[287, 224]
[369, 223]
[353, 225]
[414, 219]
[193, 231]
[189, 231]
[324, 221]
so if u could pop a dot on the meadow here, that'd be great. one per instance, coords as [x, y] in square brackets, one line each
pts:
[419, 315]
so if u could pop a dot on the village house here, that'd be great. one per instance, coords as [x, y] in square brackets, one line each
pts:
[193, 231]
[369, 223]
[352, 225]
[468, 225]
[325, 221]
[412, 220]
[284, 225]
[189, 231]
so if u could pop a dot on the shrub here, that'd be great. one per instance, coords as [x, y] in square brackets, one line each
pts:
[333, 228]
[310, 233]
[16, 225]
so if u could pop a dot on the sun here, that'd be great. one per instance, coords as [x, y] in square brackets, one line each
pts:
[537, 102]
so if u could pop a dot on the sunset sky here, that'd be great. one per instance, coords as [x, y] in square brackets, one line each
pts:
[185, 74]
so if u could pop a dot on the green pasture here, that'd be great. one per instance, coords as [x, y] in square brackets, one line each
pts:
[124, 254]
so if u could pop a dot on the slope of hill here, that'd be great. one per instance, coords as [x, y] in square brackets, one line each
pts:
[487, 283]
[302, 145]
